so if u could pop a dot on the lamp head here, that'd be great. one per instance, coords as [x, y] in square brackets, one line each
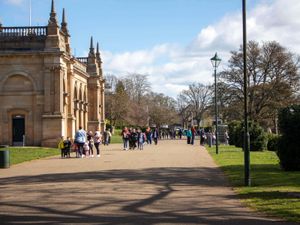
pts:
[215, 61]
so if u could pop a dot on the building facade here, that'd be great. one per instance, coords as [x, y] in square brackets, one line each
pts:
[45, 92]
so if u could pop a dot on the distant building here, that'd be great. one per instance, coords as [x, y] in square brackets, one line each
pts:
[45, 92]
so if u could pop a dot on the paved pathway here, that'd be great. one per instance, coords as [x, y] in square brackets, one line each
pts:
[172, 183]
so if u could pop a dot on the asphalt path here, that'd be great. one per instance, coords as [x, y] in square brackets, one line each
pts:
[170, 183]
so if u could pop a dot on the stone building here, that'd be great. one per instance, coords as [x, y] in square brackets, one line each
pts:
[45, 92]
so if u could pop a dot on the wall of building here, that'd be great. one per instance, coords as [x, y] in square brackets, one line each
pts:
[43, 85]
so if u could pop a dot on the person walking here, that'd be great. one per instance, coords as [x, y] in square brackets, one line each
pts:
[104, 137]
[133, 139]
[203, 136]
[209, 139]
[108, 137]
[67, 147]
[90, 143]
[155, 135]
[141, 139]
[61, 146]
[193, 130]
[149, 135]
[80, 139]
[180, 134]
[189, 135]
[97, 142]
[226, 137]
[125, 136]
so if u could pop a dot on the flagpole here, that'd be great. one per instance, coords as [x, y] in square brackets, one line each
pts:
[30, 13]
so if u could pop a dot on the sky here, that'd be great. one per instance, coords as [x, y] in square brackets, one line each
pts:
[171, 41]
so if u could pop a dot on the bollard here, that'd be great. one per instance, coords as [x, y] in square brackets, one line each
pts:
[4, 159]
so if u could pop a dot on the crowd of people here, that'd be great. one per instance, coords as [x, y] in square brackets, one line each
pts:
[84, 143]
[208, 137]
[136, 138]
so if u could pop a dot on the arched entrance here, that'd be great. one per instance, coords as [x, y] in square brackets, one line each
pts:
[19, 110]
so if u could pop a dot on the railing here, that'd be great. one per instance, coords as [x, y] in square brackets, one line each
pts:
[83, 60]
[23, 31]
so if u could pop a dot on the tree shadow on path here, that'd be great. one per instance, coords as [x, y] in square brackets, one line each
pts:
[145, 196]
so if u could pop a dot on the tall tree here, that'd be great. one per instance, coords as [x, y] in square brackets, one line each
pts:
[111, 82]
[197, 98]
[273, 80]
[162, 109]
[130, 101]
[117, 105]
[184, 109]
[136, 85]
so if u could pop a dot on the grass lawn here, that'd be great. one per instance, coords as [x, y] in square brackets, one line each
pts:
[116, 138]
[22, 154]
[272, 190]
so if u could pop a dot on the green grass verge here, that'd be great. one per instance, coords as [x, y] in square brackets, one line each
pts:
[22, 154]
[116, 138]
[272, 190]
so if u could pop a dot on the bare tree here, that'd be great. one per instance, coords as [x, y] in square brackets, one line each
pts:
[117, 104]
[184, 109]
[273, 80]
[136, 85]
[111, 82]
[131, 102]
[162, 109]
[197, 99]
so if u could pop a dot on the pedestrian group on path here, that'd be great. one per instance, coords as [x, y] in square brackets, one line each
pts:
[135, 138]
[84, 143]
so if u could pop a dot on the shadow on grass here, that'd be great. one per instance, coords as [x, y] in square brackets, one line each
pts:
[270, 195]
[263, 175]
[145, 196]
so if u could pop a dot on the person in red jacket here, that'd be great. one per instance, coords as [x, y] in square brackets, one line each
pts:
[193, 130]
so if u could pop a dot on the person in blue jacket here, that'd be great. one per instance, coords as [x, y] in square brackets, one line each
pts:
[189, 135]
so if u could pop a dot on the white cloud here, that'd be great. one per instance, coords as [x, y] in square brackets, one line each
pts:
[14, 2]
[171, 68]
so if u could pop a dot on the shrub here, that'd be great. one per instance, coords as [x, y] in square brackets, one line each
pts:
[233, 133]
[258, 138]
[288, 147]
[273, 141]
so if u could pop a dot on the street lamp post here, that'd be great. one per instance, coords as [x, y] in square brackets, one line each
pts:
[215, 61]
[246, 133]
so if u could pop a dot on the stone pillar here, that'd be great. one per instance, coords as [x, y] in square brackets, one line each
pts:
[103, 125]
[94, 101]
[58, 90]
[76, 108]
[71, 106]
[47, 90]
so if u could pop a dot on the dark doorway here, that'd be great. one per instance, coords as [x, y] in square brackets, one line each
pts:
[18, 129]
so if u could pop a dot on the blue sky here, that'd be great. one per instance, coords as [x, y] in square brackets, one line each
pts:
[123, 25]
[170, 40]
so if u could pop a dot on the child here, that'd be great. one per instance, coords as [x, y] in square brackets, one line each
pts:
[67, 147]
[86, 149]
[141, 139]
[91, 143]
[133, 139]
[61, 146]
[75, 149]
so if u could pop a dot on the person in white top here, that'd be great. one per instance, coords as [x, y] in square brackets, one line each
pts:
[97, 142]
